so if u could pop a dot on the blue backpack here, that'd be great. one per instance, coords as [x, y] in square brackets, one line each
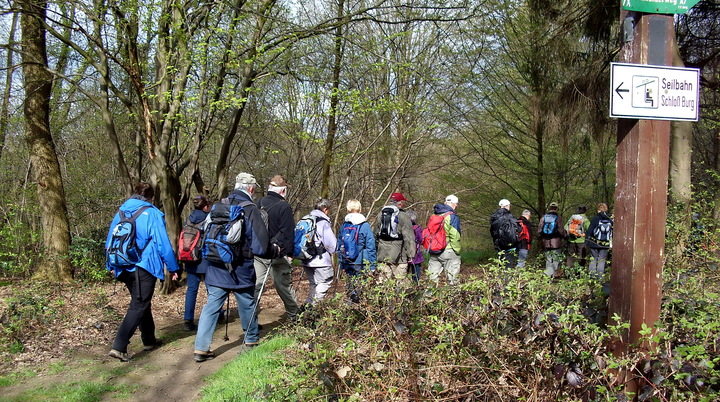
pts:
[349, 247]
[305, 237]
[217, 247]
[123, 251]
[549, 228]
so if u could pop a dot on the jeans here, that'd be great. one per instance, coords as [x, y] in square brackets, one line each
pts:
[448, 261]
[522, 256]
[553, 256]
[415, 271]
[139, 314]
[193, 284]
[355, 275]
[281, 272]
[597, 262]
[245, 298]
[320, 279]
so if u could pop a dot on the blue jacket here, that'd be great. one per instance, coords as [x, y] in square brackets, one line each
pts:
[243, 275]
[367, 257]
[196, 216]
[152, 237]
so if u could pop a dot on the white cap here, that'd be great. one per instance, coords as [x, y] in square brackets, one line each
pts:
[504, 203]
[244, 178]
[452, 198]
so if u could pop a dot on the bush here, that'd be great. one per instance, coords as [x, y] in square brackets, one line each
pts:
[21, 244]
[503, 336]
[32, 309]
[88, 258]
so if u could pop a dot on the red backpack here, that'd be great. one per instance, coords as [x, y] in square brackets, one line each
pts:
[434, 236]
[190, 243]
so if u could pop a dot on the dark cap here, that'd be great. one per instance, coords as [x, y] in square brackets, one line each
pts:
[278, 181]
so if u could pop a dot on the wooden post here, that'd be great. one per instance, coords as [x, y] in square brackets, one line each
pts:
[641, 191]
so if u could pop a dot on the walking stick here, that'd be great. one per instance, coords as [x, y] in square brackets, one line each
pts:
[257, 303]
[227, 318]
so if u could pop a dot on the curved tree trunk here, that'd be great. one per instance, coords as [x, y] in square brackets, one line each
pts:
[55, 265]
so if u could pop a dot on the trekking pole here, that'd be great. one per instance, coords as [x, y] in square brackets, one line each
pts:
[257, 303]
[227, 318]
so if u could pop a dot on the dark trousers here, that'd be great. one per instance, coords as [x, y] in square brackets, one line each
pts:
[138, 314]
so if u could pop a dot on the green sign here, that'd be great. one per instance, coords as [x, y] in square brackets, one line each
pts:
[659, 6]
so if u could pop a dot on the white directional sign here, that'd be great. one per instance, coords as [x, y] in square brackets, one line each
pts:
[639, 91]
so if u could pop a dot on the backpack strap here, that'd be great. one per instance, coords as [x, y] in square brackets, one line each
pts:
[134, 219]
[137, 269]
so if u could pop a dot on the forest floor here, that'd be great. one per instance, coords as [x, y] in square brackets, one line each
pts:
[84, 324]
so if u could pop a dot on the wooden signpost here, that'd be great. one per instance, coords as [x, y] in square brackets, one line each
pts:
[643, 147]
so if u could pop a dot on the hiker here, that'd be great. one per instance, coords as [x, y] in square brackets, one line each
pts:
[552, 232]
[524, 237]
[395, 240]
[448, 259]
[281, 229]
[156, 253]
[319, 268]
[234, 226]
[356, 248]
[504, 229]
[599, 240]
[415, 266]
[576, 228]
[195, 272]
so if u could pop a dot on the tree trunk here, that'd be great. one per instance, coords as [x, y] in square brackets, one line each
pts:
[55, 265]
[4, 109]
[681, 161]
[716, 210]
[334, 101]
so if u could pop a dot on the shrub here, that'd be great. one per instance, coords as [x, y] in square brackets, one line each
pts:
[504, 336]
[21, 246]
[88, 258]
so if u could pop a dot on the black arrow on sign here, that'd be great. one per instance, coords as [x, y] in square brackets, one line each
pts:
[618, 90]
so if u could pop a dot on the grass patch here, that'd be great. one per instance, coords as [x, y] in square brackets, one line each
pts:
[477, 256]
[83, 391]
[14, 377]
[252, 376]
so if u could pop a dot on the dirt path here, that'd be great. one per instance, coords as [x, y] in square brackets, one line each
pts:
[76, 350]
[170, 373]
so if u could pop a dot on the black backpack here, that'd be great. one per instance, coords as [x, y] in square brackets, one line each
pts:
[389, 223]
[507, 232]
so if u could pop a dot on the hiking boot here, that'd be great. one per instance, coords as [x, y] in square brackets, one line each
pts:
[190, 326]
[202, 356]
[153, 345]
[246, 347]
[122, 356]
